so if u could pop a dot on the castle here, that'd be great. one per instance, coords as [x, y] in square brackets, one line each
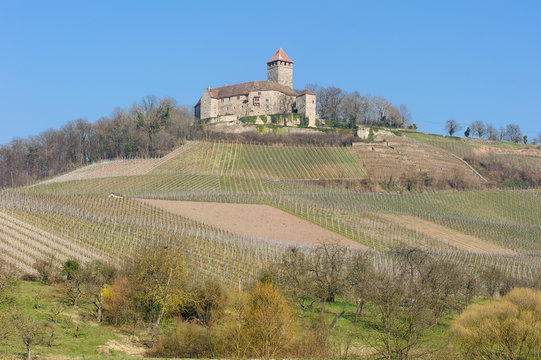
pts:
[256, 99]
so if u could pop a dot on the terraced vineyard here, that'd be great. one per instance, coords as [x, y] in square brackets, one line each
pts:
[474, 228]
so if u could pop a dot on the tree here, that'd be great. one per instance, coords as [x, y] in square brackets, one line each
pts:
[76, 278]
[360, 278]
[478, 129]
[329, 271]
[121, 305]
[209, 303]
[405, 115]
[161, 274]
[525, 139]
[152, 114]
[467, 132]
[29, 330]
[538, 140]
[268, 322]
[69, 268]
[451, 126]
[492, 132]
[48, 269]
[98, 274]
[408, 298]
[512, 133]
[504, 328]
[295, 279]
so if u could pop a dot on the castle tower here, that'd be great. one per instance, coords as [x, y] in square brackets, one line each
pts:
[280, 69]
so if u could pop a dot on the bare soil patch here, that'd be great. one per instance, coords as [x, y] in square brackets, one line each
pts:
[259, 221]
[445, 235]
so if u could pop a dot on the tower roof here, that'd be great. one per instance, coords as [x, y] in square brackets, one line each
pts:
[280, 55]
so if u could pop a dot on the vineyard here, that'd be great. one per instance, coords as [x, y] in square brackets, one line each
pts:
[72, 216]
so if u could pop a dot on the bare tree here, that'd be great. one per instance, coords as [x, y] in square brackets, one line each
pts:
[295, 279]
[492, 132]
[329, 271]
[29, 330]
[512, 133]
[360, 279]
[451, 126]
[478, 129]
[405, 114]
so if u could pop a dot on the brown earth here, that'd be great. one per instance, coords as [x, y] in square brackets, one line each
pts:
[445, 235]
[259, 221]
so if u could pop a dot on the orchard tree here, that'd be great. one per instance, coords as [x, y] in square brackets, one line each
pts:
[98, 274]
[162, 275]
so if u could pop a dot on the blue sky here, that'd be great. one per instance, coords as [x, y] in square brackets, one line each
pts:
[462, 60]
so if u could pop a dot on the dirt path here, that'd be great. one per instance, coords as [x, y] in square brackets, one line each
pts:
[446, 235]
[259, 221]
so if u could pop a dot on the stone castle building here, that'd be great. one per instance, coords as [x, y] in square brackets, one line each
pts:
[254, 99]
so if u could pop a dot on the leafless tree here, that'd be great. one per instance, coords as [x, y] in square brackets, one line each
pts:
[329, 271]
[295, 279]
[30, 331]
[478, 129]
[512, 133]
[492, 132]
[360, 280]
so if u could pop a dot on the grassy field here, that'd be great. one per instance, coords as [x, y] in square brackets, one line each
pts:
[101, 341]
[92, 338]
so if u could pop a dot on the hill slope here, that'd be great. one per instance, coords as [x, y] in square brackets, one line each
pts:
[476, 228]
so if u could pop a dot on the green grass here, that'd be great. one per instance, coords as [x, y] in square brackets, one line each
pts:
[66, 345]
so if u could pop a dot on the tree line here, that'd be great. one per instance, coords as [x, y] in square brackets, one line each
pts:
[150, 127]
[293, 310]
[511, 132]
[337, 106]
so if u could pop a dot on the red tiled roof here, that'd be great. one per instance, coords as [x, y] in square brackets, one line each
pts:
[246, 88]
[306, 92]
[280, 55]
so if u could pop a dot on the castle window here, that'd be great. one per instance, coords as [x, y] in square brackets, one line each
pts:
[238, 97]
[313, 101]
[259, 93]
[256, 101]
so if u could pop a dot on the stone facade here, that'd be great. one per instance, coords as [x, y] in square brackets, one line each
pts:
[274, 96]
[280, 72]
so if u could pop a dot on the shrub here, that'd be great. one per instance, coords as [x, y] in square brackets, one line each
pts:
[183, 340]
[268, 323]
[48, 270]
[276, 119]
[505, 328]
[248, 119]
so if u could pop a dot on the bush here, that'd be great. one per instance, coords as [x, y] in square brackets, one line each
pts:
[248, 119]
[268, 323]
[48, 270]
[505, 328]
[183, 340]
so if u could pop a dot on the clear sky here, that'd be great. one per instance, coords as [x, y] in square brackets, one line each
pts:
[462, 60]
